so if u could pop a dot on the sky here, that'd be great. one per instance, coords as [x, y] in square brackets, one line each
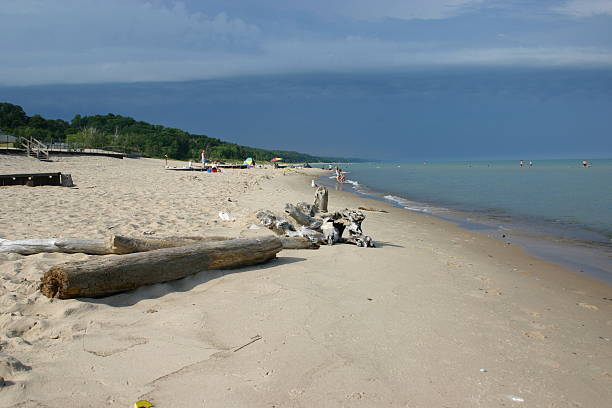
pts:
[386, 79]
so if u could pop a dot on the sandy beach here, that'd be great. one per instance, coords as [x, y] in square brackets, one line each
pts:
[434, 316]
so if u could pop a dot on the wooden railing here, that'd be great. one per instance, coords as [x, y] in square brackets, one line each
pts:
[35, 148]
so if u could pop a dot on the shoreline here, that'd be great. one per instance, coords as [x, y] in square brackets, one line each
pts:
[591, 258]
[434, 316]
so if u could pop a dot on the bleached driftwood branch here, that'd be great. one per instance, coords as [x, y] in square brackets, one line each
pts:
[328, 229]
[277, 224]
[302, 218]
[116, 244]
[350, 220]
[65, 245]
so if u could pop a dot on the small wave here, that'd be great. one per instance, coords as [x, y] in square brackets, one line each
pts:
[353, 182]
[411, 205]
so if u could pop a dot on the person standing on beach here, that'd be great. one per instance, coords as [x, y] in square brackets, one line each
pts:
[521, 163]
[203, 157]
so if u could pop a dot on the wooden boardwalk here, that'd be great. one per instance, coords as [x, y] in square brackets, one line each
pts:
[66, 152]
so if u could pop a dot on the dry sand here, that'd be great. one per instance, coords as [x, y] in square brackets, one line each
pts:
[435, 316]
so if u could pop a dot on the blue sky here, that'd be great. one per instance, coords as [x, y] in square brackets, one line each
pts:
[481, 77]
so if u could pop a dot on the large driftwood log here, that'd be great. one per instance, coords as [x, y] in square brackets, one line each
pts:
[116, 244]
[107, 275]
[129, 245]
[321, 197]
[302, 218]
[65, 245]
[125, 245]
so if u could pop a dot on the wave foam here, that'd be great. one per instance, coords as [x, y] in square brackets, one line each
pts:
[410, 205]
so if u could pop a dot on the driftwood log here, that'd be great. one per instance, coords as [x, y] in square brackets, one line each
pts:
[65, 245]
[302, 218]
[327, 229]
[306, 208]
[298, 243]
[353, 220]
[116, 245]
[348, 220]
[277, 224]
[129, 245]
[108, 275]
[313, 235]
[282, 227]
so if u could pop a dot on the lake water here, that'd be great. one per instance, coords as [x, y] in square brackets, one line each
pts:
[557, 209]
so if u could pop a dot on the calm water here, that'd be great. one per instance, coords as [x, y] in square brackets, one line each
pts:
[554, 200]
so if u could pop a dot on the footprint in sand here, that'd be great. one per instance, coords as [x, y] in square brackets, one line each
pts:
[491, 291]
[549, 363]
[102, 345]
[587, 306]
[535, 335]
[532, 313]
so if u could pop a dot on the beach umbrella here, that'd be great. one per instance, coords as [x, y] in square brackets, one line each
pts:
[276, 159]
[248, 161]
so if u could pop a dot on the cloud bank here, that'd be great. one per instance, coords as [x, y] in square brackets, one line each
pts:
[586, 8]
[89, 41]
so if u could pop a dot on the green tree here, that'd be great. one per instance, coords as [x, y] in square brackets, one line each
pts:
[89, 137]
[12, 116]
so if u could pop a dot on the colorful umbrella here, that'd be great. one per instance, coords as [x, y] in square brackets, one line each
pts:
[276, 159]
[248, 161]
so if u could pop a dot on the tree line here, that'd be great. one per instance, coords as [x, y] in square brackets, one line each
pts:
[122, 133]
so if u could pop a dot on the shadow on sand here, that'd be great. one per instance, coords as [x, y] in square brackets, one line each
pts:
[382, 244]
[158, 290]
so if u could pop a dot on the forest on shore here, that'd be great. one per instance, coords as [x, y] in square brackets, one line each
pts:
[127, 135]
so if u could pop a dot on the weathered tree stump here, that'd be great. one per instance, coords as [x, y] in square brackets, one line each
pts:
[321, 198]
